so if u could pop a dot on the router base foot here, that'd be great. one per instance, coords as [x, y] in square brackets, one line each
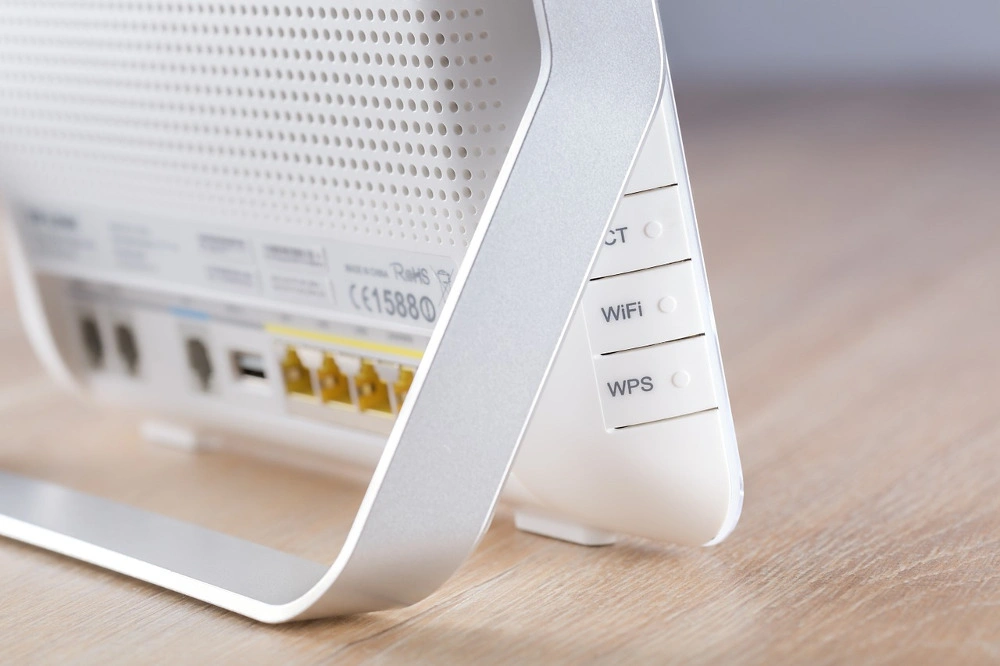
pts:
[173, 436]
[556, 528]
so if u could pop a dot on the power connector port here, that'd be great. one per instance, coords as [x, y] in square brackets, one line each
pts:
[200, 362]
[93, 344]
[128, 348]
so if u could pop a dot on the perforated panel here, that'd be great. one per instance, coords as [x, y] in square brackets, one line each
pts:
[376, 122]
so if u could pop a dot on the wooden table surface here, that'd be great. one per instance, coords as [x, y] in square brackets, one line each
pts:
[853, 243]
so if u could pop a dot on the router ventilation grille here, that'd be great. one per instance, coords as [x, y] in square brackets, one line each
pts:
[383, 122]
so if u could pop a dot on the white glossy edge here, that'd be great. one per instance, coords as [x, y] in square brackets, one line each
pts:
[437, 484]
[732, 452]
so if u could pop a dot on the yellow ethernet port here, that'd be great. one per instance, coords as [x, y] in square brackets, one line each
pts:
[296, 374]
[403, 384]
[373, 393]
[333, 384]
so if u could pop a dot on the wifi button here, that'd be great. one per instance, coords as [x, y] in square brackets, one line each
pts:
[643, 308]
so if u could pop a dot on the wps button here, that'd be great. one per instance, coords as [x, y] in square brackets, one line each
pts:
[656, 383]
[645, 308]
[647, 230]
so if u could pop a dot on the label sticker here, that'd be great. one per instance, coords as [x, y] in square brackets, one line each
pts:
[298, 287]
[139, 248]
[56, 238]
[234, 279]
[287, 255]
[225, 247]
[398, 286]
[403, 286]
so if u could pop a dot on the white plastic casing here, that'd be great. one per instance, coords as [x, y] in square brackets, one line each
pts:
[227, 173]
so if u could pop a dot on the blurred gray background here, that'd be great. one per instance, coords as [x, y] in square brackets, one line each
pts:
[784, 41]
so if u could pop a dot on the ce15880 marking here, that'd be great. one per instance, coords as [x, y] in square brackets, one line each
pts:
[392, 303]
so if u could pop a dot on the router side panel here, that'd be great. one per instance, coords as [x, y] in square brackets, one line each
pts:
[667, 480]
[634, 433]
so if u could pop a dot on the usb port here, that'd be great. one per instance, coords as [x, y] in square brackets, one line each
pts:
[249, 367]
[93, 345]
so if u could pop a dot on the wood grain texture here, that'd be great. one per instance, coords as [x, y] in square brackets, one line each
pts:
[853, 243]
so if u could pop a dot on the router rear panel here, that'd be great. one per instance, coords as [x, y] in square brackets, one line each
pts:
[375, 123]
[248, 217]
[282, 173]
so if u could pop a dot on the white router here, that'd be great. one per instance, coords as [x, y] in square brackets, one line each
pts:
[421, 236]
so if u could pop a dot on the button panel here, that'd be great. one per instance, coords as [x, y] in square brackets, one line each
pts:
[644, 308]
[656, 383]
[648, 230]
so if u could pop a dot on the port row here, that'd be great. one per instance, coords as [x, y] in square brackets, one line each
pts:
[125, 345]
[345, 380]
[308, 374]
